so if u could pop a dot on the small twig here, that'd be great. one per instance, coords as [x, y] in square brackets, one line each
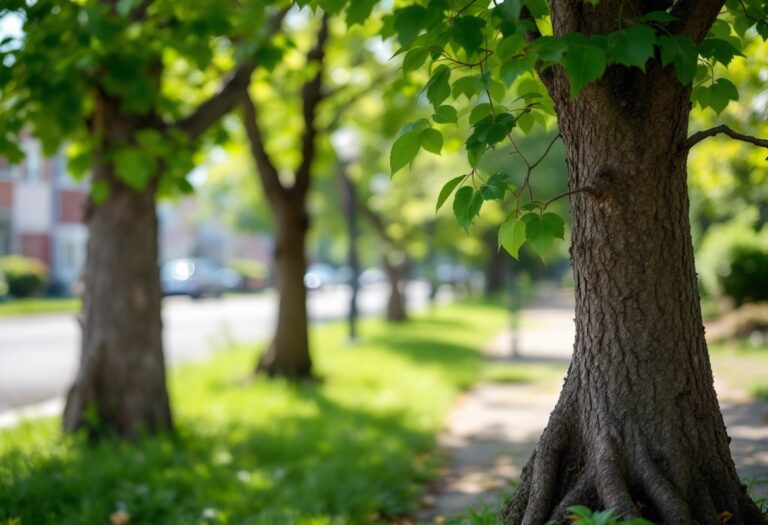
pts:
[546, 152]
[701, 135]
[587, 189]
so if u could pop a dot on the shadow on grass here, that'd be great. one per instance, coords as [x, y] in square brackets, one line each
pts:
[327, 462]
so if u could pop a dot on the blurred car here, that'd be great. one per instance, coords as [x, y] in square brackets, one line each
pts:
[196, 278]
[371, 276]
[319, 275]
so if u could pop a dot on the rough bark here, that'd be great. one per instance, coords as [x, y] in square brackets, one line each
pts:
[637, 428]
[288, 355]
[120, 386]
[396, 275]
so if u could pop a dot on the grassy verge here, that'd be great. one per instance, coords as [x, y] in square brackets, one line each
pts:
[354, 448]
[741, 367]
[39, 306]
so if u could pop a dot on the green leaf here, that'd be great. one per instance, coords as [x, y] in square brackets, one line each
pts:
[359, 11]
[438, 87]
[495, 187]
[584, 63]
[526, 122]
[720, 50]
[538, 8]
[680, 51]
[414, 59]
[721, 93]
[445, 115]
[554, 224]
[467, 86]
[537, 233]
[332, 7]
[512, 236]
[479, 112]
[496, 133]
[762, 29]
[432, 140]
[404, 150]
[512, 69]
[510, 10]
[467, 32]
[408, 23]
[633, 46]
[466, 205]
[446, 191]
[99, 191]
[661, 17]
[134, 168]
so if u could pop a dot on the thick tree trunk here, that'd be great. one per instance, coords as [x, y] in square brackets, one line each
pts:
[120, 386]
[396, 275]
[288, 355]
[637, 428]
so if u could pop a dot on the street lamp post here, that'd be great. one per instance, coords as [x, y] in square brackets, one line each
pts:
[346, 143]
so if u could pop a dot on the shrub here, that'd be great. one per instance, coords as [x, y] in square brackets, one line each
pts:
[3, 286]
[25, 276]
[255, 273]
[733, 263]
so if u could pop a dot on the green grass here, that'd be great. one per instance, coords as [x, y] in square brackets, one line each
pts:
[39, 305]
[354, 448]
[741, 367]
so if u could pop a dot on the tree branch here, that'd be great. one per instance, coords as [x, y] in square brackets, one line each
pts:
[701, 135]
[311, 96]
[268, 174]
[225, 100]
[696, 16]
[350, 100]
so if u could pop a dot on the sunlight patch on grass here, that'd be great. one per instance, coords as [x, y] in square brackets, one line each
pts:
[353, 448]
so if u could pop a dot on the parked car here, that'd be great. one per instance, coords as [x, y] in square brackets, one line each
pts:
[319, 275]
[196, 278]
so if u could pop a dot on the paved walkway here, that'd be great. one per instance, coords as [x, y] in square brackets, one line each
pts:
[495, 427]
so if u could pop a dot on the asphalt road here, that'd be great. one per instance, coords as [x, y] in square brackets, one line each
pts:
[39, 353]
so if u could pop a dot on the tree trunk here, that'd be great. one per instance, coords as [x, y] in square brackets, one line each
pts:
[396, 310]
[120, 387]
[288, 355]
[495, 266]
[637, 428]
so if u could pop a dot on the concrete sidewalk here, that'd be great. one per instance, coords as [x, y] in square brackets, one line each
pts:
[495, 427]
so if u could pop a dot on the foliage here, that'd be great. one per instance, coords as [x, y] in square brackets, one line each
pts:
[116, 81]
[493, 57]
[584, 515]
[733, 262]
[353, 448]
[3, 286]
[25, 276]
[39, 305]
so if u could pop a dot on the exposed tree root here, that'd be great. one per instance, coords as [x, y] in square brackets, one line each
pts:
[627, 479]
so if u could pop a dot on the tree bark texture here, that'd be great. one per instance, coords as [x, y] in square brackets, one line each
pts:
[288, 355]
[637, 427]
[120, 386]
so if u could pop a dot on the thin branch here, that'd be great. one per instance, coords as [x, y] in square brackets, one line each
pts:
[585, 189]
[268, 174]
[225, 100]
[701, 135]
[352, 99]
[546, 152]
[311, 96]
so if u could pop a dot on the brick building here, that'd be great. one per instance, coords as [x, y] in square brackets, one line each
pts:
[41, 213]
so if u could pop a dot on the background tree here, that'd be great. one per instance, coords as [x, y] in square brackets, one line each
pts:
[286, 171]
[100, 75]
[638, 418]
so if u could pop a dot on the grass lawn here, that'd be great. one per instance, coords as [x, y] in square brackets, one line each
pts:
[741, 367]
[39, 305]
[354, 448]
